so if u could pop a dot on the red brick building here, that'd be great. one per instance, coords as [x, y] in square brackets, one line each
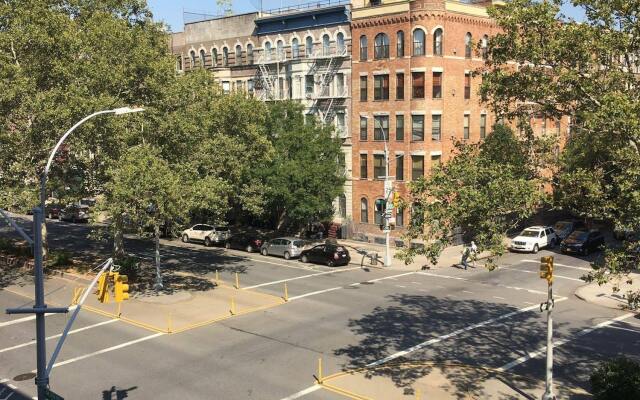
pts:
[411, 80]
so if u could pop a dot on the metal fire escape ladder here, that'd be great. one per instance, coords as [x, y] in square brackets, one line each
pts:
[324, 100]
[267, 78]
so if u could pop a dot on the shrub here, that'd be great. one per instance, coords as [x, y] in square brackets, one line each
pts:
[59, 259]
[129, 266]
[616, 380]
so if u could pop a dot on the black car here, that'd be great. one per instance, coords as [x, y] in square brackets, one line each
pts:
[52, 210]
[327, 254]
[582, 242]
[245, 241]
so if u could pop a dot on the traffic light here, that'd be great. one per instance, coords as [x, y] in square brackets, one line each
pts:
[381, 205]
[396, 199]
[546, 268]
[121, 287]
[103, 288]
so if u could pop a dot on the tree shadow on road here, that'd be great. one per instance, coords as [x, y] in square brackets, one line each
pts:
[172, 283]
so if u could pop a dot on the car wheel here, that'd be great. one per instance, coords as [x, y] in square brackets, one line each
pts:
[207, 242]
[331, 264]
[185, 239]
[304, 259]
[249, 249]
[264, 252]
[535, 248]
[287, 256]
[227, 245]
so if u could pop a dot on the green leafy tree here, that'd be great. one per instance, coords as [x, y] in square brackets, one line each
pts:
[587, 74]
[482, 192]
[305, 174]
[616, 379]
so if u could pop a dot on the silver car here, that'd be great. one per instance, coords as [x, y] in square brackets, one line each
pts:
[286, 247]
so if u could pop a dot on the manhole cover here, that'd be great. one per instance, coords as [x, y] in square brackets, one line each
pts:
[24, 377]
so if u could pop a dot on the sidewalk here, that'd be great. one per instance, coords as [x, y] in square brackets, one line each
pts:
[604, 295]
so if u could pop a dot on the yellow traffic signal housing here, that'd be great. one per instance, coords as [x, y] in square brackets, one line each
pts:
[546, 268]
[121, 288]
[396, 199]
[103, 288]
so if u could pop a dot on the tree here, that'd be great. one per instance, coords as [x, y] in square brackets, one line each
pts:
[616, 379]
[305, 174]
[147, 192]
[482, 192]
[586, 73]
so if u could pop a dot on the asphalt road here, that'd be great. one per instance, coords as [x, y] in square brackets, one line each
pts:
[347, 316]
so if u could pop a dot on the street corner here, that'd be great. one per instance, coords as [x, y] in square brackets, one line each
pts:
[429, 380]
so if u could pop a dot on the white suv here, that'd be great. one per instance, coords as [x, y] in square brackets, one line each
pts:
[208, 234]
[534, 238]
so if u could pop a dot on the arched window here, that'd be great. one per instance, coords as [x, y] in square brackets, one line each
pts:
[437, 42]
[485, 50]
[280, 50]
[326, 45]
[192, 58]
[342, 206]
[202, 56]
[363, 48]
[249, 54]
[214, 57]
[364, 211]
[308, 46]
[418, 42]
[225, 56]
[381, 46]
[340, 43]
[400, 44]
[467, 45]
[267, 51]
[238, 55]
[295, 48]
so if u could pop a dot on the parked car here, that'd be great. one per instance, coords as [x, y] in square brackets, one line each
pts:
[53, 210]
[287, 247]
[244, 241]
[626, 234]
[207, 234]
[327, 254]
[74, 213]
[564, 228]
[534, 238]
[582, 242]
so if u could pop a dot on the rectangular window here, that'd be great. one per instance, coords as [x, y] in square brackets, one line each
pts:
[379, 169]
[437, 85]
[381, 87]
[400, 128]
[340, 123]
[436, 127]
[399, 86]
[250, 86]
[417, 128]
[417, 167]
[281, 88]
[381, 127]
[467, 86]
[363, 166]
[226, 87]
[435, 161]
[399, 168]
[340, 84]
[363, 129]
[417, 84]
[465, 128]
[308, 85]
[399, 217]
[483, 126]
[363, 88]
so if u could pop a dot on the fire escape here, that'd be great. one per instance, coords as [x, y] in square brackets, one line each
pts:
[324, 67]
[269, 71]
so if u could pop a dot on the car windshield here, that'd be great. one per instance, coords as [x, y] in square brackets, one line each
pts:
[529, 233]
[561, 226]
[579, 235]
[298, 243]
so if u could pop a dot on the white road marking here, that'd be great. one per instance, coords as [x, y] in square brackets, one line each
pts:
[4, 380]
[557, 343]
[315, 293]
[632, 323]
[454, 333]
[60, 334]
[29, 318]
[623, 329]
[528, 302]
[537, 272]
[300, 277]
[466, 291]
[14, 387]
[483, 283]
[499, 298]
[400, 286]
[561, 265]
[108, 349]
[303, 392]
[392, 277]
[416, 283]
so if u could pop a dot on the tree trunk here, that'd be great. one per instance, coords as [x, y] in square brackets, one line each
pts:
[118, 237]
[282, 217]
[156, 230]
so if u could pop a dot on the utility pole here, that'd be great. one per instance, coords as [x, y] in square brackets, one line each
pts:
[546, 272]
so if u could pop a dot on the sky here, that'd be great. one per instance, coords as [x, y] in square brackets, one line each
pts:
[171, 11]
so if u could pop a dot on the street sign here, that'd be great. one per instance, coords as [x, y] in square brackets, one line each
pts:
[388, 188]
[49, 395]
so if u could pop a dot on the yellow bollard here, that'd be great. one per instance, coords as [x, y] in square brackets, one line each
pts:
[319, 370]
[237, 281]
[233, 307]
[286, 292]
[417, 394]
[169, 323]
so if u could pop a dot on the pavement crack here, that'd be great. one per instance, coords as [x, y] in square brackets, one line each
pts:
[273, 339]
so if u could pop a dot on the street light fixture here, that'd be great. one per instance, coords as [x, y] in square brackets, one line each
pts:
[40, 308]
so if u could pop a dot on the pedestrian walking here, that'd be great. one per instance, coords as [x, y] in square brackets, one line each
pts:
[473, 253]
[465, 254]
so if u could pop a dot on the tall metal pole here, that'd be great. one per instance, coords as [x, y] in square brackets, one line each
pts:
[548, 393]
[42, 380]
[387, 211]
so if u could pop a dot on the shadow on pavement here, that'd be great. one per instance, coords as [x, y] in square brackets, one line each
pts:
[13, 394]
[117, 394]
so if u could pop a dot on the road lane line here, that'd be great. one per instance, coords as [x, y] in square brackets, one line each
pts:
[558, 343]
[537, 272]
[300, 277]
[4, 380]
[622, 329]
[499, 298]
[109, 321]
[561, 265]
[303, 392]
[107, 350]
[466, 291]
[476, 282]
[455, 333]
[29, 318]
[315, 293]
